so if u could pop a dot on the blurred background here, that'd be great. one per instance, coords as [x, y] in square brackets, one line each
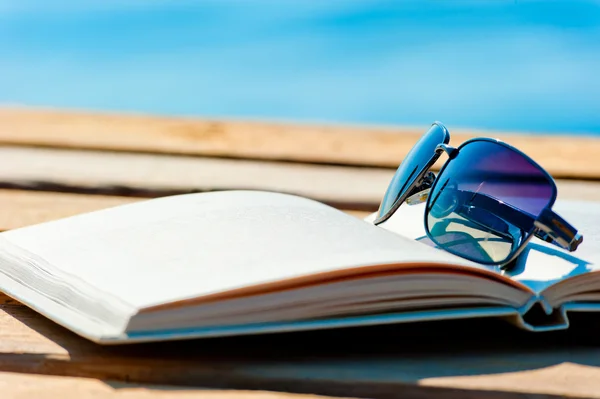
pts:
[507, 65]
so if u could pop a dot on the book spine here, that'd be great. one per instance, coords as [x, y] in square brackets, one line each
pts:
[538, 315]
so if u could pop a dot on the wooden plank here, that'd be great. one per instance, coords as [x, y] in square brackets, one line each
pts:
[15, 385]
[357, 188]
[23, 208]
[486, 359]
[564, 156]
[151, 175]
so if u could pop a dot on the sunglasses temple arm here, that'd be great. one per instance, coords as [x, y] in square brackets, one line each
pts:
[554, 229]
[549, 226]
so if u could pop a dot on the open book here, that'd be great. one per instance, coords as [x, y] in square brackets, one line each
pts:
[246, 262]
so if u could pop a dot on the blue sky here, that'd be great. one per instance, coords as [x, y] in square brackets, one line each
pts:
[494, 64]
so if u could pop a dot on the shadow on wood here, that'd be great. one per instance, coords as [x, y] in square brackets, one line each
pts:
[408, 361]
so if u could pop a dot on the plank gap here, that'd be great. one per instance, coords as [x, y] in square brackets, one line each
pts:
[375, 146]
[154, 192]
[21, 208]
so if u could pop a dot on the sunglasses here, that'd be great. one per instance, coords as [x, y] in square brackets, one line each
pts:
[485, 204]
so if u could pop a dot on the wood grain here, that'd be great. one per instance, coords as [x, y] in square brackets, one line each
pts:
[564, 156]
[466, 359]
[151, 175]
[145, 175]
[22, 208]
[15, 385]
[111, 157]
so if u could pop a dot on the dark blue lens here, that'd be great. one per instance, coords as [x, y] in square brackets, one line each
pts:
[412, 166]
[485, 201]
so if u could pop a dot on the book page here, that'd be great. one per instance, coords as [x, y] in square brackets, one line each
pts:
[541, 264]
[186, 246]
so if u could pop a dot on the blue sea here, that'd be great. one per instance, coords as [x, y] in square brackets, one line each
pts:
[516, 65]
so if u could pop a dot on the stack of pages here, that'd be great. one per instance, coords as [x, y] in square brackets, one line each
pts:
[248, 262]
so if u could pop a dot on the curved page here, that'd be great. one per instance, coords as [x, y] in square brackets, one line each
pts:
[192, 246]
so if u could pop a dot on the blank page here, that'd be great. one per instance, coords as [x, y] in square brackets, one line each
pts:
[180, 247]
[541, 264]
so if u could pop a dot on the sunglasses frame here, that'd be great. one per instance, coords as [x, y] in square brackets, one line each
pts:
[428, 180]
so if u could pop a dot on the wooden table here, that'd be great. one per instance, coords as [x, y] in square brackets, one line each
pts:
[56, 164]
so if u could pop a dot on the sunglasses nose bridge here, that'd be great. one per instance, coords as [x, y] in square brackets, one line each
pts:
[451, 151]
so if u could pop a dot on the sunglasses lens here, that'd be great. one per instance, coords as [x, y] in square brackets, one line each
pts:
[414, 162]
[485, 201]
